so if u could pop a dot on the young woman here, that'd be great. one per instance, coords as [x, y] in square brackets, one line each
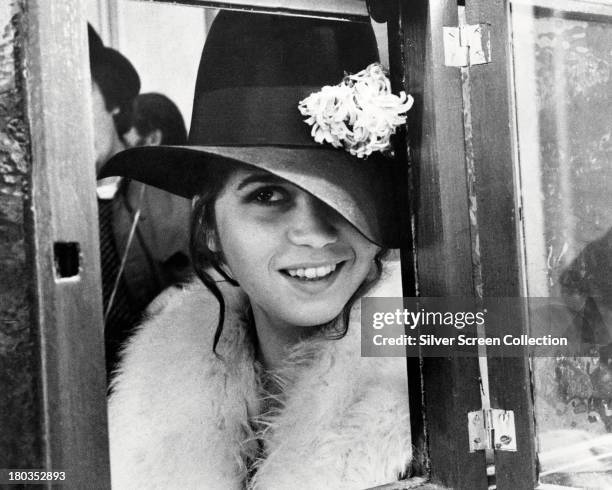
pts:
[252, 377]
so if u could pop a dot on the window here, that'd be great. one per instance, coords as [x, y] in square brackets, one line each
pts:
[506, 194]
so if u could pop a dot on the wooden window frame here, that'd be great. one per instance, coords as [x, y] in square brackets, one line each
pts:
[498, 210]
[442, 390]
[349, 10]
[67, 310]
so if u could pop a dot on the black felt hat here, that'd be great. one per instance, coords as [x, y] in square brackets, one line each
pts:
[255, 69]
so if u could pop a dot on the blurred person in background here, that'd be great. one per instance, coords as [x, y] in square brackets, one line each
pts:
[158, 256]
[115, 84]
[149, 225]
[156, 120]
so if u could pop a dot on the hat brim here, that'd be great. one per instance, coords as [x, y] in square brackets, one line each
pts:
[355, 189]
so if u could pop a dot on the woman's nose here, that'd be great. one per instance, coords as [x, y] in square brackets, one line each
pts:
[312, 224]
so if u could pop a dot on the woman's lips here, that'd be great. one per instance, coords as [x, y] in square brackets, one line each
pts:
[313, 274]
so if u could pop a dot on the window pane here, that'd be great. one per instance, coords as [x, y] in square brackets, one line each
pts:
[562, 62]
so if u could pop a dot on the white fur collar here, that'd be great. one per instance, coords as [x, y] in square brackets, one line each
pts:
[182, 418]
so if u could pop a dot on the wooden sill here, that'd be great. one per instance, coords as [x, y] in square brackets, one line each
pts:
[420, 483]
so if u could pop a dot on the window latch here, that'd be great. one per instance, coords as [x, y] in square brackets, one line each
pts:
[467, 45]
[491, 428]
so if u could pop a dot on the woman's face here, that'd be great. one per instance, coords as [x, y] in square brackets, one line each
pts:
[297, 259]
[105, 134]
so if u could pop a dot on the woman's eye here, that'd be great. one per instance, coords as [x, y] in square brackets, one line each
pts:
[269, 196]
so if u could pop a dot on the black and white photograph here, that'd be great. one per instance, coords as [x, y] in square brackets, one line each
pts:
[306, 244]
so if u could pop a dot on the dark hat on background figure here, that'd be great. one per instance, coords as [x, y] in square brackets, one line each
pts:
[116, 77]
[255, 70]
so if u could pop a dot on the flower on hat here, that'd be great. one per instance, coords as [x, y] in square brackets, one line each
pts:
[359, 114]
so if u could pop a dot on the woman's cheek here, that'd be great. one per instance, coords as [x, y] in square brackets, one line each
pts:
[245, 255]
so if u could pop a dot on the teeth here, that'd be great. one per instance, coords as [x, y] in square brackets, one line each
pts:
[312, 272]
[323, 270]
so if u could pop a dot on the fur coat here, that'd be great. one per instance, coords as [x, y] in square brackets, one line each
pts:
[181, 417]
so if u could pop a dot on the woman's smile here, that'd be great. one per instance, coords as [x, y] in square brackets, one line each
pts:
[311, 273]
[313, 279]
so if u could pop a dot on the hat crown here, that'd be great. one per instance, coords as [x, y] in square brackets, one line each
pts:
[255, 69]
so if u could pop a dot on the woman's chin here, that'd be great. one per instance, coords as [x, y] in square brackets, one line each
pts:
[316, 317]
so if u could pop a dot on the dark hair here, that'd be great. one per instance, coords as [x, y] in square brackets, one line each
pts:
[116, 78]
[109, 84]
[203, 230]
[156, 111]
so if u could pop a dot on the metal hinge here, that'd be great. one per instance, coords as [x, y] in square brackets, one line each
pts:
[492, 429]
[467, 45]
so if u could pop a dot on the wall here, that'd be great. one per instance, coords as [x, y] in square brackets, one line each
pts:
[19, 413]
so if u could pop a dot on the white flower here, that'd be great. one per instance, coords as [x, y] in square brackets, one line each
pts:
[359, 114]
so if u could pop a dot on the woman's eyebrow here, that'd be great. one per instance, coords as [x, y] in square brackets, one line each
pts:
[262, 178]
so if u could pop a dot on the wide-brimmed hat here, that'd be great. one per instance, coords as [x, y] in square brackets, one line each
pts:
[255, 69]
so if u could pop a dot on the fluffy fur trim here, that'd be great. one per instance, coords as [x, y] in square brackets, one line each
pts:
[181, 417]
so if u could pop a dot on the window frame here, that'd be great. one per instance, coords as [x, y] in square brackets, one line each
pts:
[442, 390]
[498, 224]
[349, 10]
[67, 310]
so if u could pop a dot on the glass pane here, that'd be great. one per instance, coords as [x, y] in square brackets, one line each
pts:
[562, 63]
